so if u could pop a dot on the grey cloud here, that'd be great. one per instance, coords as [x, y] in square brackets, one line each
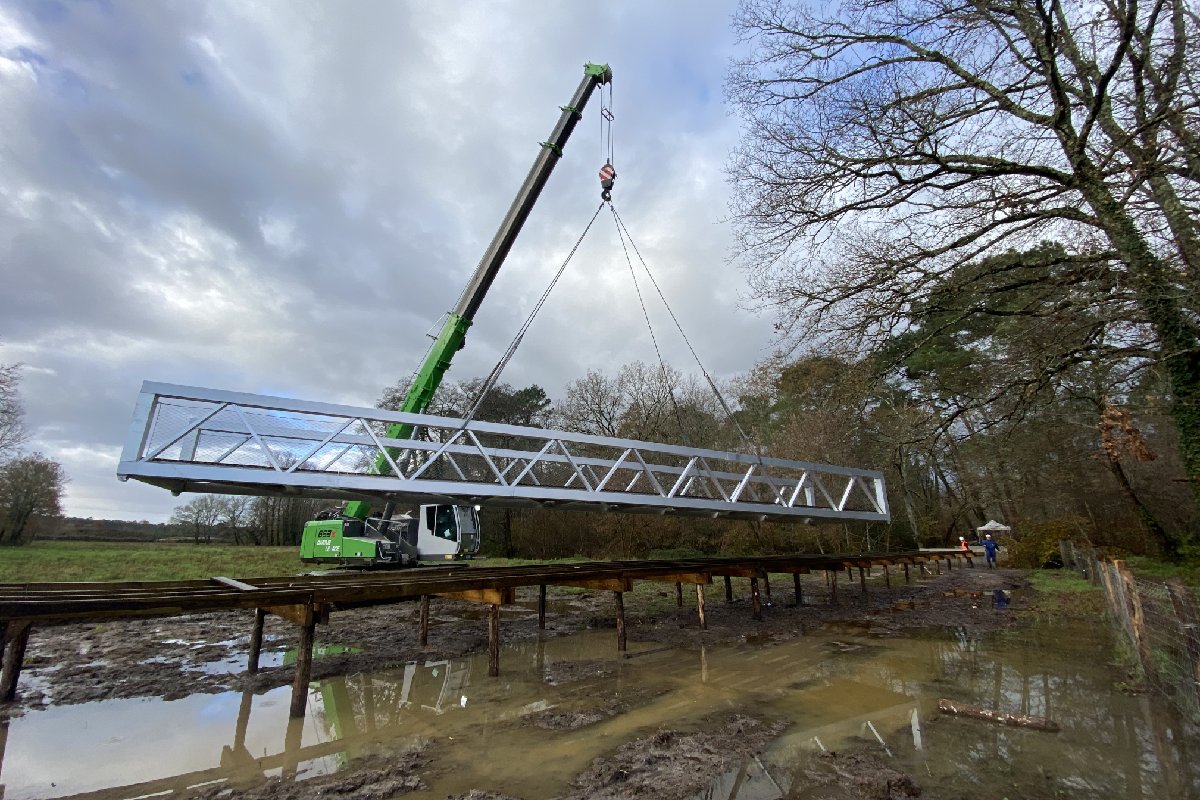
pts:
[285, 196]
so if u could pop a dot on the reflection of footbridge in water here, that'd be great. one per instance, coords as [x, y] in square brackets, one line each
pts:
[357, 713]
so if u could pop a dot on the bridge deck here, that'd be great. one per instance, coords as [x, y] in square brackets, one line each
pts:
[309, 599]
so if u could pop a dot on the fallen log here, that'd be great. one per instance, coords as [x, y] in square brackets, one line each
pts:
[1018, 720]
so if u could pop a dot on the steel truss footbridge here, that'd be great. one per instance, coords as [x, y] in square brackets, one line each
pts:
[189, 439]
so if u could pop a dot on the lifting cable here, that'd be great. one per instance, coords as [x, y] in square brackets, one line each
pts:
[623, 232]
[494, 376]
[662, 364]
[606, 120]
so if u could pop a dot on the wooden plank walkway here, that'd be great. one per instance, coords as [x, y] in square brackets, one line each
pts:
[308, 600]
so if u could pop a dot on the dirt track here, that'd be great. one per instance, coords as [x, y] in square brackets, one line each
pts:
[158, 658]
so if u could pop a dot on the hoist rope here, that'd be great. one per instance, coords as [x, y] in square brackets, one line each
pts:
[606, 120]
[662, 364]
[494, 376]
[711, 383]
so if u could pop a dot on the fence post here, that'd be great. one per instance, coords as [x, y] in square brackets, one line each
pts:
[1077, 562]
[1138, 619]
[1120, 601]
[1109, 592]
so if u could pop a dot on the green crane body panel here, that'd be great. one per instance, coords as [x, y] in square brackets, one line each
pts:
[325, 539]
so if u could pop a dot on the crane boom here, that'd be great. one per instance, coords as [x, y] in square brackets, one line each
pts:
[454, 330]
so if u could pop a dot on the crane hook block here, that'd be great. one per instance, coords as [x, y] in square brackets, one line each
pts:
[608, 176]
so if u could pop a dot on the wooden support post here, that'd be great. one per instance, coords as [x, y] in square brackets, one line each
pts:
[949, 565]
[887, 577]
[767, 589]
[678, 594]
[293, 737]
[493, 640]
[16, 639]
[862, 581]
[619, 597]
[4, 730]
[755, 600]
[833, 587]
[728, 589]
[424, 625]
[799, 591]
[256, 636]
[1138, 617]
[243, 722]
[542, 607]
[304, 656]
[849, 572]
[907, 579]
[700, 606]
[937, 562]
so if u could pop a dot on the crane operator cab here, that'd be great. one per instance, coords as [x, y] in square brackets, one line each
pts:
[434, 532]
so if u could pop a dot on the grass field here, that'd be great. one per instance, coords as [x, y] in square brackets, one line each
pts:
[56, 561]
[135, 561]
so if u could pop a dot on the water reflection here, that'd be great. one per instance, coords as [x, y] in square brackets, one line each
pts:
[1111, 744]
[559, 703]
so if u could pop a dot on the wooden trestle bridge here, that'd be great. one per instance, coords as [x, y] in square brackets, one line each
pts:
[309, 600]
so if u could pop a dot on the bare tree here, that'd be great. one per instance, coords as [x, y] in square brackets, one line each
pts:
[235, 517]
[200, 516]
[593, 404]
[12, 428]
[655, 403]
[889, 144]
[31, 490]
[279, 521]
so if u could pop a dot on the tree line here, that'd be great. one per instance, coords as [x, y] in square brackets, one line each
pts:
[1067, 461]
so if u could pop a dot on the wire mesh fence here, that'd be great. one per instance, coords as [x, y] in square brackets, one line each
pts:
[1157, 619]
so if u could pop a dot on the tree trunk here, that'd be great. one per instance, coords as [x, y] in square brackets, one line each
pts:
[1167, 541]
[1156, 295]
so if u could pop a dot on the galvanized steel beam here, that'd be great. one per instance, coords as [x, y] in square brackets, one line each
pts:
[190, 439]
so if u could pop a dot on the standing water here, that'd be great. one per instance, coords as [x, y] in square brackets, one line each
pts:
[562, 702]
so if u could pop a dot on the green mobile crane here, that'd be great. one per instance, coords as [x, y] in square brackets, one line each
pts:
[356, 536]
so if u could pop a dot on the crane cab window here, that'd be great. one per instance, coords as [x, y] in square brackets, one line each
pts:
[442, 523]
[468, 520]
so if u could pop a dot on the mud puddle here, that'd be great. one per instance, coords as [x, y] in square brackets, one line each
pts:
[571, 715]
[875, 730]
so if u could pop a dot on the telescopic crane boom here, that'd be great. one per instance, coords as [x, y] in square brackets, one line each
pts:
[454, 331]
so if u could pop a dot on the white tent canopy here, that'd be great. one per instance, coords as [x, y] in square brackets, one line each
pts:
[993, 527]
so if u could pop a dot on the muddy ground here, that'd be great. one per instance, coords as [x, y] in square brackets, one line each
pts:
[160, 658]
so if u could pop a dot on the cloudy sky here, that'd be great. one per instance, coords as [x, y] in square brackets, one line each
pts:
[284, 197]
